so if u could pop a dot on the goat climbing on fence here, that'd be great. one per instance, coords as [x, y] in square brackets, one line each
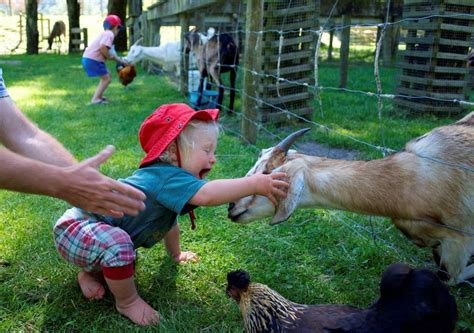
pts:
[215, 54]
[59, 28]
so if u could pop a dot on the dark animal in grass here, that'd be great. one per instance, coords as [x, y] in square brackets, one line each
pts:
[215, 54]
[411, 301]
[59, 28]
[126, 73]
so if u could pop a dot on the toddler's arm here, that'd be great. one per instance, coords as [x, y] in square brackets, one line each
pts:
[221, 191]
[173, 247]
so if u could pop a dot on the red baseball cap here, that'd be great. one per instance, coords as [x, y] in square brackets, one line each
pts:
[112, 21]
[164, 125]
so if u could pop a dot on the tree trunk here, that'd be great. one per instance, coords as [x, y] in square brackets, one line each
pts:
[119, 8]
[73, 13]
[32, 35]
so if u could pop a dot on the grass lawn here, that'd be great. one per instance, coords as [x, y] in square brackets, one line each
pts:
[317, 256]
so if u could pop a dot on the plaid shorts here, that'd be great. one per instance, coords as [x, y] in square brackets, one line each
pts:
[91, 244]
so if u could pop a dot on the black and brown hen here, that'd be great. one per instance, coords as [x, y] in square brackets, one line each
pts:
[411, 301]
[126, 73]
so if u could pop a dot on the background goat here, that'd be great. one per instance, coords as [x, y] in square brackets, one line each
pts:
[214, 55]
[59, 28]
[166, 55]
[411, 301]
[431, 202]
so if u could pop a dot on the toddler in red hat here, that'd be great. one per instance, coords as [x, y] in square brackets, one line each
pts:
[180, 144]
[95, 55]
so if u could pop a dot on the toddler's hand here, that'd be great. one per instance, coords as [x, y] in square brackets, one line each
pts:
[185, 257]
[272, 185]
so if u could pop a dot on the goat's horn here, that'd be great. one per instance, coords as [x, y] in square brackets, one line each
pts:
[138, 41]
[285, 144]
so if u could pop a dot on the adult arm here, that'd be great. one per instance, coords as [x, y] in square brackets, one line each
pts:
[35, 162]
[221, 191]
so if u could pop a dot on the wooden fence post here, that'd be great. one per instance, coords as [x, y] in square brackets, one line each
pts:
[344, 53]
[184, 63]
[254, 22]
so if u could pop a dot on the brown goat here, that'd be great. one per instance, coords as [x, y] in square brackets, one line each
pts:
[59, 28]
[427, 190]
[218, 55]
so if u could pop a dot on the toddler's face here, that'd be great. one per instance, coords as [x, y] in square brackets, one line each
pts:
[201, 158]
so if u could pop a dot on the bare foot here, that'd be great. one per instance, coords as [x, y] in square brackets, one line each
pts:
[139, 312]
[91, 284]
[185, 257]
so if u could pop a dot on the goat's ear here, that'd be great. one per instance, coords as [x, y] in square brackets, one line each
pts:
[287, 206]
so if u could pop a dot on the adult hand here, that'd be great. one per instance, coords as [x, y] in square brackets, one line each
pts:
[88, 189]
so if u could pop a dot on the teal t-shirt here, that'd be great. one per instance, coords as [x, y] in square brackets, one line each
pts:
[167, 189]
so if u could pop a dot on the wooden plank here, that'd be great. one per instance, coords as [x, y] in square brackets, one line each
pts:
[169, 8]
[292, 26]
[454, 42]
[448, 69]
[458, 28]
[290, 11]
[289, 56]
[418, 54]
[289, 41]
[288, 98]
[459, 2]
[459, 15]
[292, 69]
[420, 93]
[409, 25]
[420, 13]
[418, 67]
[417, 40]
[452, 56]
[431, 54]
[267, 88]
[432, 82]
[428, 108]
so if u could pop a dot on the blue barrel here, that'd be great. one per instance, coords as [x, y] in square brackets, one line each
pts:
[208, 101]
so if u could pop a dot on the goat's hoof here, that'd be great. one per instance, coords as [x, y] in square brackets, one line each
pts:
[444, 276]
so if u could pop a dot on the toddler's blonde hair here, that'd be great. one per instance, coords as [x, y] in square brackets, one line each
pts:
[195, 131]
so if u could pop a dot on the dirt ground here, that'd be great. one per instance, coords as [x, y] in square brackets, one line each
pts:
[316, 149]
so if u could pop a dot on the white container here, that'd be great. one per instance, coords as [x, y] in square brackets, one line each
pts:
[193, 80]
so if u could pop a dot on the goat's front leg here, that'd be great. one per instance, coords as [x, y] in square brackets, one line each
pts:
[454, 258]
[233, 75]
[214, 71]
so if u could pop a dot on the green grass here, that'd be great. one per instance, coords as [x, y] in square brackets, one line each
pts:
[312, 258]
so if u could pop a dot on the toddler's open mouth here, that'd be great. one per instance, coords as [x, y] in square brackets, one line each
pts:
[203, 173]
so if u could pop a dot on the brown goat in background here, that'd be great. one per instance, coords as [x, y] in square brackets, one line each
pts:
[59, 28]
[219, 54]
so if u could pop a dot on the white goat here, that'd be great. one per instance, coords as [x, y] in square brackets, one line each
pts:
[427, 190]
[167, 55]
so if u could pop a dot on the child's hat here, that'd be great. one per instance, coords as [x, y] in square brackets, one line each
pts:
[112, 21]
[164, 125]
